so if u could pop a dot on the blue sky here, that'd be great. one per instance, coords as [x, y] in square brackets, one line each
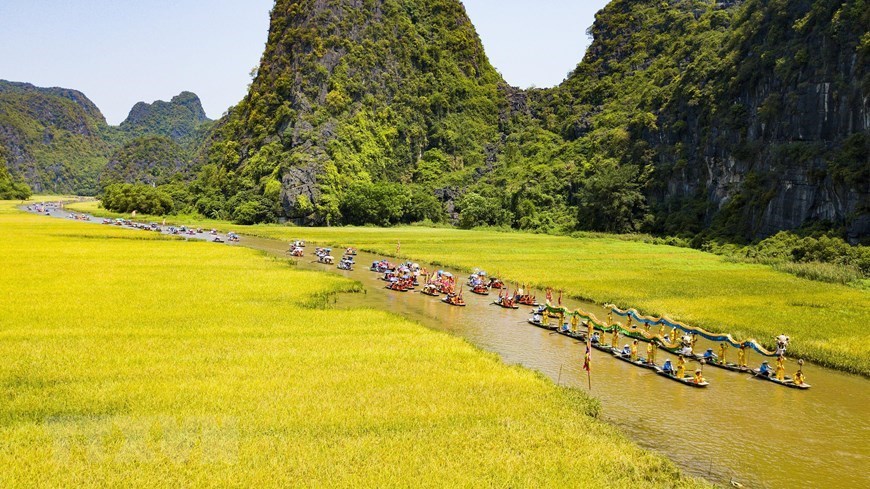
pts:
[119, 52]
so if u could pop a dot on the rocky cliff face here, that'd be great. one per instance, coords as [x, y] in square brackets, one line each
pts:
[751, 116]
[787, 141]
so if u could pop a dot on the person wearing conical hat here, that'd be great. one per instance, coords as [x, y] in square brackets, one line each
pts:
[799, 375]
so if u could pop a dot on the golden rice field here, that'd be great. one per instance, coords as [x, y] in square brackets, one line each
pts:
[826, 322]
[138, 361]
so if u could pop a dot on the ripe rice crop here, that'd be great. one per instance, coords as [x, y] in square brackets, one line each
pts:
[136, 360]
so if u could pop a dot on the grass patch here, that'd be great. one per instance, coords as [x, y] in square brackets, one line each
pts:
[138, 363]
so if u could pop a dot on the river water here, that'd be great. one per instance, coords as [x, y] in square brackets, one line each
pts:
[738, 429]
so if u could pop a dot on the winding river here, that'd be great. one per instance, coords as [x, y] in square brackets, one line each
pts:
[752, 432]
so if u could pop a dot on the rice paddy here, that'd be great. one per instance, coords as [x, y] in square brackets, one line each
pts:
[826, 322]
[135, 360]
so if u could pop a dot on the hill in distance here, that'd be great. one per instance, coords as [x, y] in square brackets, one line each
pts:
[57, 141]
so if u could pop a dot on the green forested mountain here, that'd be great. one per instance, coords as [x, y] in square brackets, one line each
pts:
[57, 141]
[54, 138]
[734, 118]
[149, 160]
[182, 119]
[384, 99]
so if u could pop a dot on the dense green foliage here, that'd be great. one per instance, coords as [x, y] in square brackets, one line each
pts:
[182, 119]
[151, 160]
[638, 138]
[128, 197]
[58, 141]
[390, 91]
[12, 189]
[55, 138]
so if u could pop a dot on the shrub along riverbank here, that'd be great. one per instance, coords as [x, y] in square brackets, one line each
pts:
[825, 321]
[132, 359]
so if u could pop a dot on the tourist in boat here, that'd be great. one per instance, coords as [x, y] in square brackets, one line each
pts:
[634, 351]
[537, 318]
[764, 369]
[681, 367]
[709, 355]
[596, 338]
[699, 378]
[626, 350]
[668, 367]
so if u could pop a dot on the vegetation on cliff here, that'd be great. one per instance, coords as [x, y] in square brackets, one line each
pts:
[681, 119]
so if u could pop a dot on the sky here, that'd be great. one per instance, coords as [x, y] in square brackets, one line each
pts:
[119, 52]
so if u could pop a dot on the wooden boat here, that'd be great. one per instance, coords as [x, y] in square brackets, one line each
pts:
[579, 336]
[505, 305]
[685, 380]
[454, 301]
[788, 382]
[396, 286]
[728, 366]
[528, 300]
[541, 325]
[638, 362]
[480, 290]
[495, 283]
[431, 290]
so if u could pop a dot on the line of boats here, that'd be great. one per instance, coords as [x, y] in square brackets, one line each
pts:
[408, 276]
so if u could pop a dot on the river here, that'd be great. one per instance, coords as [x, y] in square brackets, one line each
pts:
[738, 429]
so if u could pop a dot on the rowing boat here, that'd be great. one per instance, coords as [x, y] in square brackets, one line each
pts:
[788, 382]
[685, 380]
[502, 304]
[639, 363]
[541, 325]
[480, 290]
[457, 304]
[728, 366]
